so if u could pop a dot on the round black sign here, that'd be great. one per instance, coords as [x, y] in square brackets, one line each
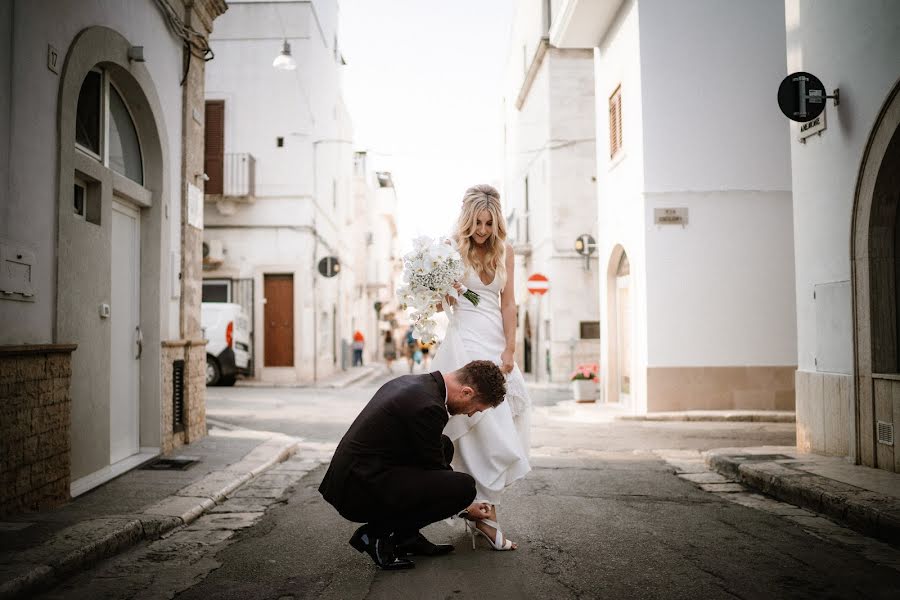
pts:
[585, 244]
[801, 96]
[329, 266]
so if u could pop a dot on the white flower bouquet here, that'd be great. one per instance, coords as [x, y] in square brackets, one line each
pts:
[429, 272]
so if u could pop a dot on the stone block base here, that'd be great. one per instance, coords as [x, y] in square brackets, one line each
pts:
[720, 388]
[35, 421]
[193, 422]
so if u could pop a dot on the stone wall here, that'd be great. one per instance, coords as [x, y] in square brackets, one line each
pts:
[193, 353]
[35, 421]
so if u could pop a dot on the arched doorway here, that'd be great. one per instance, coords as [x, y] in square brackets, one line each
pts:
[876, 292]
[619, 336]
[111, 238]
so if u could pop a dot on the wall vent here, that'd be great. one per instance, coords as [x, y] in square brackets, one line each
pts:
[885, 433]
[177, 396]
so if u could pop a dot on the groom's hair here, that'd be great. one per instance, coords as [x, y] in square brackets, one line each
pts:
[486, 379]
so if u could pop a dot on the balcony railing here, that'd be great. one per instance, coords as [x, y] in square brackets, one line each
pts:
[236, 180]
[240, 176]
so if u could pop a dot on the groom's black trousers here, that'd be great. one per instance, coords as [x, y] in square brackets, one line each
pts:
[404, 499]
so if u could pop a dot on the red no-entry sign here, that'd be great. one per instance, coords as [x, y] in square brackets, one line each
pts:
[538, 284]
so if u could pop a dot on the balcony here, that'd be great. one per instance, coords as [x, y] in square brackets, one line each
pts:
[231, 180]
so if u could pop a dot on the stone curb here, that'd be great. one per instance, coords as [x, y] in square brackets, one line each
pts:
[150, 525]
[867, 512]
[337, 383]
[754, 417]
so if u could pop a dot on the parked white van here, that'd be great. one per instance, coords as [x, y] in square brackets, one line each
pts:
[227, 331]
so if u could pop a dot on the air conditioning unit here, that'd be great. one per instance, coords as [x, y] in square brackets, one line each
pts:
[216, 253]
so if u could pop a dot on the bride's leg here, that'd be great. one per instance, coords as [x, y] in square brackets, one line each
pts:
[490, 530]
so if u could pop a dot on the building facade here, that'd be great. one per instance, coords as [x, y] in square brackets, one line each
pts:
[376, 260]
[695, 236]
[550, 194]
[280, 161]
[846, 182]
[99, 342]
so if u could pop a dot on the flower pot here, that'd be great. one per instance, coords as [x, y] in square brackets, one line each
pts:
[585, 390]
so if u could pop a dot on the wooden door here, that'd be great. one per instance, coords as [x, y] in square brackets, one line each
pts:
[214, 146]
[278, 314]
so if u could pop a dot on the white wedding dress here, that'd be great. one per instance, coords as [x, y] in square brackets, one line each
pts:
[492, 446]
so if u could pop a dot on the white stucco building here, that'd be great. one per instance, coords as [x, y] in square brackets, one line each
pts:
[695, 236]
[376, 264]
[846, 183]
[549, 194]
[279, 149]
[100, 350]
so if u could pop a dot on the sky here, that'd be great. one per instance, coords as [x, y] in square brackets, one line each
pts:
[423, 84]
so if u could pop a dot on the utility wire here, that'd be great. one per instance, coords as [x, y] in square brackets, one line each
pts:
[194, 41]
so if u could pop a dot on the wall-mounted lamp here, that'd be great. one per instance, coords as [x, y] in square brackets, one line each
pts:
[136, 54]
[284, 61]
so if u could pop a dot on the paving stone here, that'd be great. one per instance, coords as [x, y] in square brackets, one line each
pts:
[275, 480]
[244, 505]
[259, 492]
[187, 508]
[215, 485]
[707, 477]
[816, 523]
[722, 487]
[231, 521]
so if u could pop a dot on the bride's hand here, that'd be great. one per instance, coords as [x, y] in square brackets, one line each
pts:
[458, 287]
[506, 361]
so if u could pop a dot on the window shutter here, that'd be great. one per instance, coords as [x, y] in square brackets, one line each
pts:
[615, 122]
[214, 146]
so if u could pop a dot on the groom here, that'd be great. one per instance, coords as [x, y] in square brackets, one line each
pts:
[391, 470]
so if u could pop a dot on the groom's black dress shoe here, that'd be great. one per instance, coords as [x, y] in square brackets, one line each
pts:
[380, 549]
[419, 545]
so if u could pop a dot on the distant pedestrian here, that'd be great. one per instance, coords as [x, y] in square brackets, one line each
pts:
[412, 346]
[359, 343]
[390, 350]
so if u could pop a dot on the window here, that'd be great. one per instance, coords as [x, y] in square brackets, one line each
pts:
[86, 199]
[615, 122]
[89, 112]
[124, 147]
[589, 330]
[80, 193]
[104, 128]
[216, 290]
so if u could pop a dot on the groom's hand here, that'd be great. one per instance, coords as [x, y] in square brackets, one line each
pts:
[479, 511]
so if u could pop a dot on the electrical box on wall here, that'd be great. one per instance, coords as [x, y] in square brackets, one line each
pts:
[17, 263]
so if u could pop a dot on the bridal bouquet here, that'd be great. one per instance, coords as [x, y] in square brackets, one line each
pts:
[428, 275]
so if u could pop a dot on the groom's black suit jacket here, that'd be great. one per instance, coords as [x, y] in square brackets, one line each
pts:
[397, 434]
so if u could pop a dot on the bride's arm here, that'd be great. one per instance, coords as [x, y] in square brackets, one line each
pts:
[508, 312]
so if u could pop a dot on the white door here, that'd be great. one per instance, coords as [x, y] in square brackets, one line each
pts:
[124, 419]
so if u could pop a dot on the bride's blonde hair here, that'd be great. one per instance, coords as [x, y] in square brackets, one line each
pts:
[476, 199]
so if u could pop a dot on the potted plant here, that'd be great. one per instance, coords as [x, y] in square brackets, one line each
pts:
[584, 383]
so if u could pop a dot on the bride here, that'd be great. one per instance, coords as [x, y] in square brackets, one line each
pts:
[492, 446]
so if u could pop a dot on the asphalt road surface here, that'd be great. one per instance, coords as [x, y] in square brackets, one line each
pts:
[601, 515]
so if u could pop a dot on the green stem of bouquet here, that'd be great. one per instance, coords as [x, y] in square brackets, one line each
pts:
[472, 297]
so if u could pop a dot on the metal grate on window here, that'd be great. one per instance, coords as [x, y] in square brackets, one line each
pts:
[885, 433]
[178, 396]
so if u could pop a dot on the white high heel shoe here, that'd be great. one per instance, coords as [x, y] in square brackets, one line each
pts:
[498, 543]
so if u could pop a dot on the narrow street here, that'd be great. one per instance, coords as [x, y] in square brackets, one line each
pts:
[602, 515]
